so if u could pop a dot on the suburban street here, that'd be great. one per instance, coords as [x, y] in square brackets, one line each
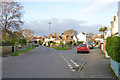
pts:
[45, 62]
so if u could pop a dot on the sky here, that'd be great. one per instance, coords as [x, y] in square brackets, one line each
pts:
[83, 15]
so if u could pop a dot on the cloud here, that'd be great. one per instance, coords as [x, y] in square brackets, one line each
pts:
[55, 0]
[99, 5]
[41, 28]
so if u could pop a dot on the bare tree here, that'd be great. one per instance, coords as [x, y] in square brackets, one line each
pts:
[28, 34]
[11, 13]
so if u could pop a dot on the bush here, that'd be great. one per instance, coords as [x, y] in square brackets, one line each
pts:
[61, 42]
[40, 43]
[6, 43]
[9, 42]
[23, 41]
[35, 42]
[62, 48]
[69, 42]
[30, 41]
[113, 47]
[79, 42]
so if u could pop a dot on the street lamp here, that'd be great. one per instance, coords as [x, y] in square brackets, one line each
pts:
[49, 28]
[49, 33]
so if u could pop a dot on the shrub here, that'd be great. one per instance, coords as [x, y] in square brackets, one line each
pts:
[30, 41]
[69, 42]
[9, 42]
[113, 47]
[23, 41]
[35, 42]
[79, 42]
[40, 43]
[61, 42]
[62, 48]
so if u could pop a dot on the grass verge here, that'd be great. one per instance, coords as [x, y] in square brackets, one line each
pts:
[62, 48]
[20, 52]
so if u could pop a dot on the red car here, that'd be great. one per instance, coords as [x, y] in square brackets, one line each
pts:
[82, 48]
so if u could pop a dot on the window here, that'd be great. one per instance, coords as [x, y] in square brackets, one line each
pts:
[82, 45]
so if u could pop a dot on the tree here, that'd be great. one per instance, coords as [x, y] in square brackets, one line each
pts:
[11, 13]
[17, 35]
[23, 41]
[70, 32]
[103, 30]
[28, 34]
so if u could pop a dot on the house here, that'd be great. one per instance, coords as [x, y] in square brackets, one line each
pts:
[57, 39]
[67, 36]
[75, 39]
[71, 37]
[83, 37]
[107, 34]
[48, 39]
[114, 30]
[115, 25]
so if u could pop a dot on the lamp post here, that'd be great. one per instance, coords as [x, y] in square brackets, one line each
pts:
[49, 28]
[49, 34]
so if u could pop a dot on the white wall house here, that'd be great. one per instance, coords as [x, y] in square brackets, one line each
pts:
[108, 34]
[82, 37]
[115, 24]
[119, 19]
[47, 40]
[75, 39]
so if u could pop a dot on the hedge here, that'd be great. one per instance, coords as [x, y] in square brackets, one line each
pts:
[113, 47]
[62, 48]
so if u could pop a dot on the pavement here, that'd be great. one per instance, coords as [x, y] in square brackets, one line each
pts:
[97, 66]
[45, 62]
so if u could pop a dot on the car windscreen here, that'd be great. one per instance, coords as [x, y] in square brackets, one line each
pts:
[82, 45]
[89, 43]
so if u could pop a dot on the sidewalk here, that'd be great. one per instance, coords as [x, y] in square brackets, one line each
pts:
[97, 66]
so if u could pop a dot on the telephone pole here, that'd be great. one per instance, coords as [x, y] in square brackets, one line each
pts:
[49, 28]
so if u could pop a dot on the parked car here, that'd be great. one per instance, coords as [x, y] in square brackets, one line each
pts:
[36, 45]
[82, 48]
[90, 45]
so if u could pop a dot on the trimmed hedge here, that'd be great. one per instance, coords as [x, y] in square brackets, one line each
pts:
[62, 48]
[113, 47]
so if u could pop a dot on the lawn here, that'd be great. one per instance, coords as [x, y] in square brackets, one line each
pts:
[62, 48]
[20, 52]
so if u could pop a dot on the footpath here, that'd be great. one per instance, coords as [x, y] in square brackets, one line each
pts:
[97, 66]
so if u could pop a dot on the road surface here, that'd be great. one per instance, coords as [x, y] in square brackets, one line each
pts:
[45, 62]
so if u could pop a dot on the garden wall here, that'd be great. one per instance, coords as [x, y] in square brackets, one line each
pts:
[6, 49]
[115, 66]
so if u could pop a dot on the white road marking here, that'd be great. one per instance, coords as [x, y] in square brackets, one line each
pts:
[73, 70]
[76, 65]
[70, 66]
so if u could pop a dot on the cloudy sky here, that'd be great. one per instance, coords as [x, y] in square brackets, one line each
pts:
[80, 15]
